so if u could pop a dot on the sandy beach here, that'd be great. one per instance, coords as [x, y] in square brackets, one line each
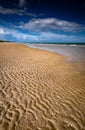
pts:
[40, 90]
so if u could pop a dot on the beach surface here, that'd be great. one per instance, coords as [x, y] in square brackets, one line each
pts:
[40, 90]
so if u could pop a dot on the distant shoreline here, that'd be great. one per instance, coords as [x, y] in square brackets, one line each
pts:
[44, 43]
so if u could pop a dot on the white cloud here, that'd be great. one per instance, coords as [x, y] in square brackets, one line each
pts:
[2, 31]
[47, 37]
[6, 11]
[50, 36]
[50, 24]
[17, 35]
[22, 36]
[22, 3]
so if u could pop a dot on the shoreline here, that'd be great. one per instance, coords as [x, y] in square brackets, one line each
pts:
[72, 53]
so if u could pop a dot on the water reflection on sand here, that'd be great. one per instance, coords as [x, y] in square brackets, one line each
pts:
[74, 52]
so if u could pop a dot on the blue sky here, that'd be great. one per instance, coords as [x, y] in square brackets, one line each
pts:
[42, 21]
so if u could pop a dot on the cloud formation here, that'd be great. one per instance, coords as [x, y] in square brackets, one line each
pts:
[8, 11]
[22, 3]
[3, 32]
[16, 35]
[50, 24]
[43, 30]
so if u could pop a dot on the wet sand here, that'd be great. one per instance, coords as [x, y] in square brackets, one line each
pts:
[40, 90]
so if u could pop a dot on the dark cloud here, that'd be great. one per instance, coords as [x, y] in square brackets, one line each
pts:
[9, 11]
[22, 3]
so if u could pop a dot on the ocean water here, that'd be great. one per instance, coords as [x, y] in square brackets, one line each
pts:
[74, 53]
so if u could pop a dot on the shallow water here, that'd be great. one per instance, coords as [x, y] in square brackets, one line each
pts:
[74, 53]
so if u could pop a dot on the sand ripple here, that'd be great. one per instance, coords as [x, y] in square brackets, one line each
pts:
[40, 91]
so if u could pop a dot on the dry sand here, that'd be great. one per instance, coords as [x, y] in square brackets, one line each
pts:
[40, 90]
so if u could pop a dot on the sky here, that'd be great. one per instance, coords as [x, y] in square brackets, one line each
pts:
[55, 21]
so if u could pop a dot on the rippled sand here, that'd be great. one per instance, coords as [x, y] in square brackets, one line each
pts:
[40, 90]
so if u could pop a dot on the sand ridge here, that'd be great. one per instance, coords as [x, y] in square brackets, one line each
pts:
[39, 90]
